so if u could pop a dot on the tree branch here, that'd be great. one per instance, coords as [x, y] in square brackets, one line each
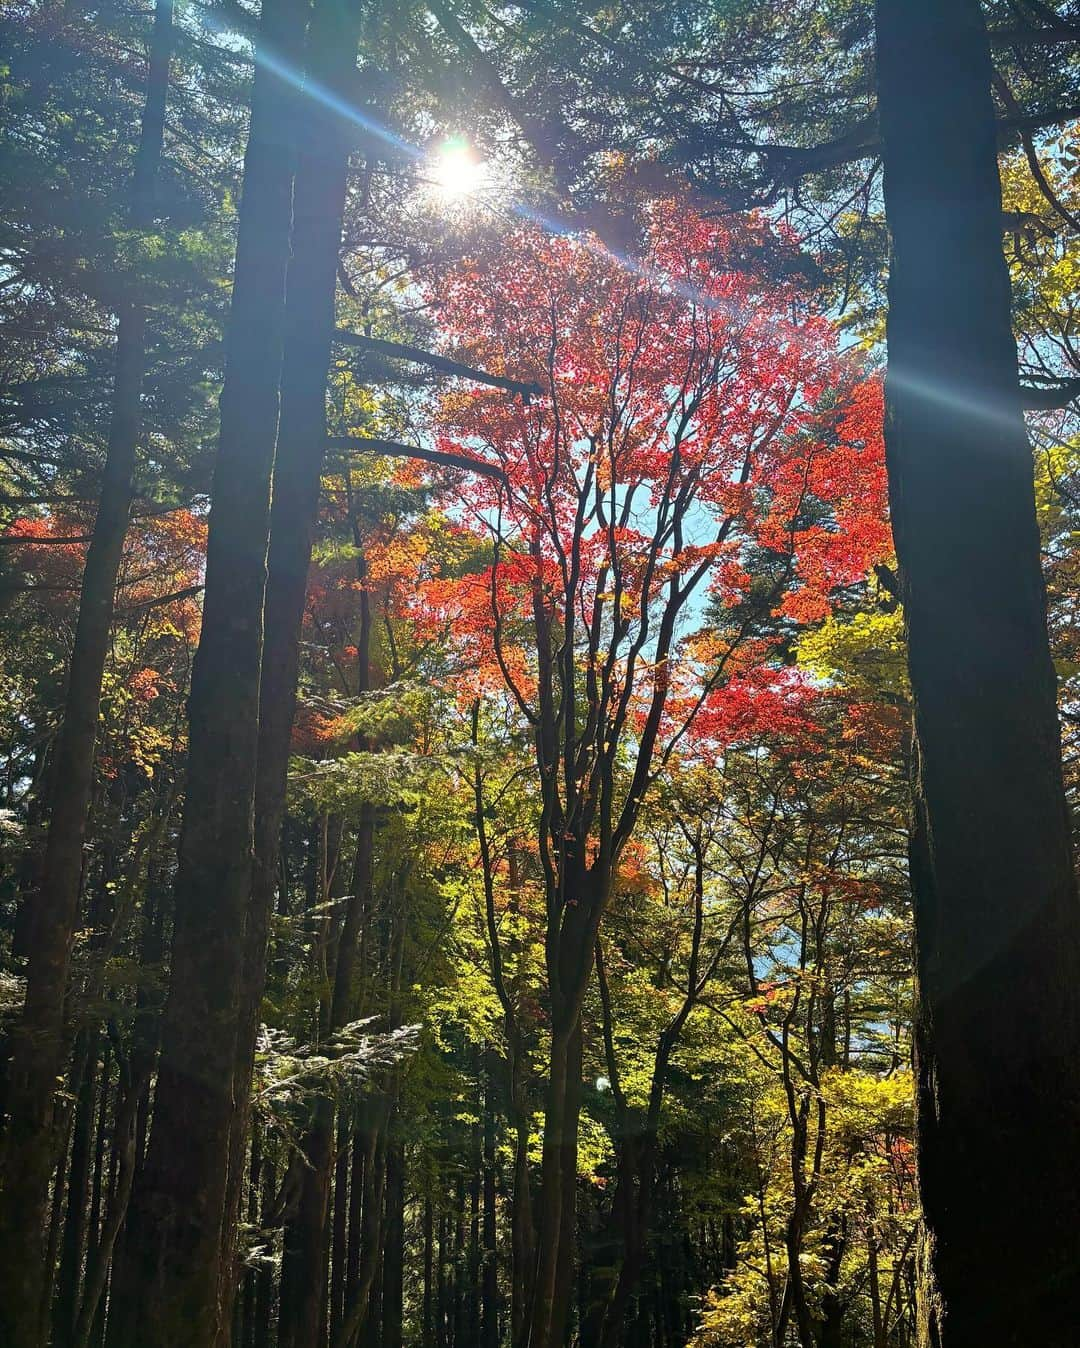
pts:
[1050, 396]
[359, 444]
[399, 351]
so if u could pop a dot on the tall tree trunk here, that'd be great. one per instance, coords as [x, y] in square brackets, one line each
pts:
[442, 1301]
[997, 921]
[52, 1242]
[356, 1205]
[97, 1183]
[340, 1228]
[27, 872]
[394, 1246]
[264, 1280]
[39, 1044]
[522, 1234]
[91, 1308]
[550, 1198]
[305, 1236]
[558, 1190]
[472, 1317]
[363, 1302]
[621, 1246]
[460, 1320]
[245, 1333]
[564, 1277]
[358, 1299]
[319, 202]
[169, 1291]
[489, 1336]
[73, 1247]
[427, 1327]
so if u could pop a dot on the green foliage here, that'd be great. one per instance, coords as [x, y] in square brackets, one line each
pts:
[864, 652]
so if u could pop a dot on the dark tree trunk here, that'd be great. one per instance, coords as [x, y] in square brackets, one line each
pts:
[475, 1254]
[168, 1291]
[997, 929]
[356, 1204]
[39, 1044]
[52, 1245]
[443, 1290]
[832, 1332]
[246, 1330]
[621, 1252]
[489, 1336]
[99, 1260]
[97, 1183]
[427, 1327]
[630, 1220]
[339, 1247]
[460, 1268]
[522, 1233]
[305, 1237]
[264, 1280]
[877, 1317]
[558, 1192]
[73, 1246]
[550, 1199]
[393, 1282]
[372, 1331]
[568, 1173]
[37, 806]
[359, 1295]
[319, 202]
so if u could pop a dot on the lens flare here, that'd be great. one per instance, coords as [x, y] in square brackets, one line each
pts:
[456, 171]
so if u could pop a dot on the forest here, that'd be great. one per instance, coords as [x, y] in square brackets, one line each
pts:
[539, 674]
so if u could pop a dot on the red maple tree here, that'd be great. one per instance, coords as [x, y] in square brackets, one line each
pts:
[704, 473]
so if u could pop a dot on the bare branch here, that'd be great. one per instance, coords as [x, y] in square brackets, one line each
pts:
[399, 351]
[360, 444]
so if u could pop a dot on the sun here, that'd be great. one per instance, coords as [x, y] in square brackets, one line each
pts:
[455, 170]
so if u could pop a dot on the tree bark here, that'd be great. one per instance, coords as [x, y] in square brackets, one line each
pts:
[91, 1307]
[489, 1337]
[356, 1203]
[558, 1191]
[474, 1266]
[73, 1247]
[264, 1280]
[245, 1332]
[568, 1173]
[340, 1225]
[522, 1234]
[169, 1288]
[394, 1246]
[305, 1236]
[358, 1298]
[319, 202]
[427, 1334]
[997, 930]
[442, 1301]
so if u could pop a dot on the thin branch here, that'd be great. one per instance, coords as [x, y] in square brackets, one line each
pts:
[1031, 155]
